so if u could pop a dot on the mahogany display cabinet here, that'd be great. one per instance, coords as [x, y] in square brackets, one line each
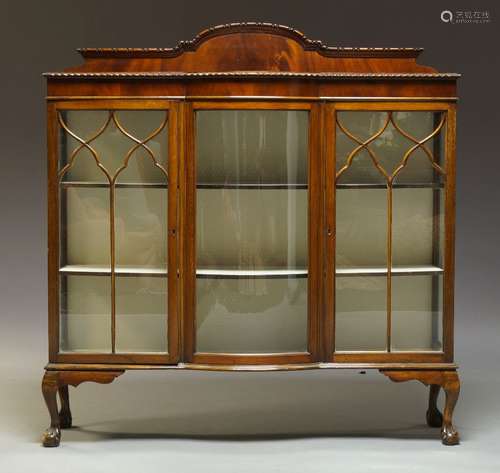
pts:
[251, 200]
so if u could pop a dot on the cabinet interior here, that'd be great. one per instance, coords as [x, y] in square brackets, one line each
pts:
[252, 231]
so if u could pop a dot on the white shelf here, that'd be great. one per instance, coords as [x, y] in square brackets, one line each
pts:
[251, 186]
[254, 273]
[245, 273]
[132, 185]
[382, 185]
[106, 270]
[396, 271]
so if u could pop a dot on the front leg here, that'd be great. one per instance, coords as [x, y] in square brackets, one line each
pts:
[58, 381]
[446, 379]
[52, 436]
[65, 412]
[449, 435]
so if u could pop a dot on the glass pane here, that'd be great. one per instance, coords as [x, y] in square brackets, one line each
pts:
[417, 313]
[417, 228]
[84, 227]
[251, 231]
[412, 220]
[141, 308]
[113, 144]
[390, 147]
[251, 315]
[130, 149]
[85, 124]
[252, 228]
[361, 313]
[420, 125]
[251, 146]
[141, 228]
[85, 313]
[361, 233]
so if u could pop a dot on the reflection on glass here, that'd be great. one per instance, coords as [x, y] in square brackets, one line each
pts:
[361, 313]
[251, 315]
[85, 307]
[141, 307]
[417, 313]
[251, 221]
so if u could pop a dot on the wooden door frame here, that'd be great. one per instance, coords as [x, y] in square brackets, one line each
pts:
[172, 106]
[328, 319]
[188, 270]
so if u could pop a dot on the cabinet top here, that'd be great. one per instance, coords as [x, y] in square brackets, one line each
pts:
[239, 50]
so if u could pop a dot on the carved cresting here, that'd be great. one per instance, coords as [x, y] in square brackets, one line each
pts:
[449, 381]
[251, 27]
[54, 381]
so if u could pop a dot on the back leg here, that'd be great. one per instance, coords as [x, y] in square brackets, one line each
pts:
[434, 416]
[65, 412]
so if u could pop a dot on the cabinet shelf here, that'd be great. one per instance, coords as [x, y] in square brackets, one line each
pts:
[160, 185]
[96, 270]
[250, 274]
[302, 273]
[132, 185]
[382, 271]
[416, 185]
[203, 185]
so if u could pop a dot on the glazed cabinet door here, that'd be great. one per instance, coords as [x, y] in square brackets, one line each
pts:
[389, 213]
[112, 224]
[252, 229]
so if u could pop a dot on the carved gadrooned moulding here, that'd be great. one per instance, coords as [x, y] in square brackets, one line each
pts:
[252, 27]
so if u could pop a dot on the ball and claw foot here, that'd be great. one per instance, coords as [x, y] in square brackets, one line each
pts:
[449, 435]
[51, 437]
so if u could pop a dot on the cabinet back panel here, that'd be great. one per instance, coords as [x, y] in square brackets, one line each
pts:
[251, 229]
[251, 315]
[252, 146]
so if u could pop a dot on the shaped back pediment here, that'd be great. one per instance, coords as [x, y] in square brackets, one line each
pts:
[252, 47]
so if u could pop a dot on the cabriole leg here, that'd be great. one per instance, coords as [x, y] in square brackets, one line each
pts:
[449, 435]
[434, 416]
[447, 380]
[52, 436]
[58, 381]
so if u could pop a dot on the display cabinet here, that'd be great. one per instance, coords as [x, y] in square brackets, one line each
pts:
[251, 200]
